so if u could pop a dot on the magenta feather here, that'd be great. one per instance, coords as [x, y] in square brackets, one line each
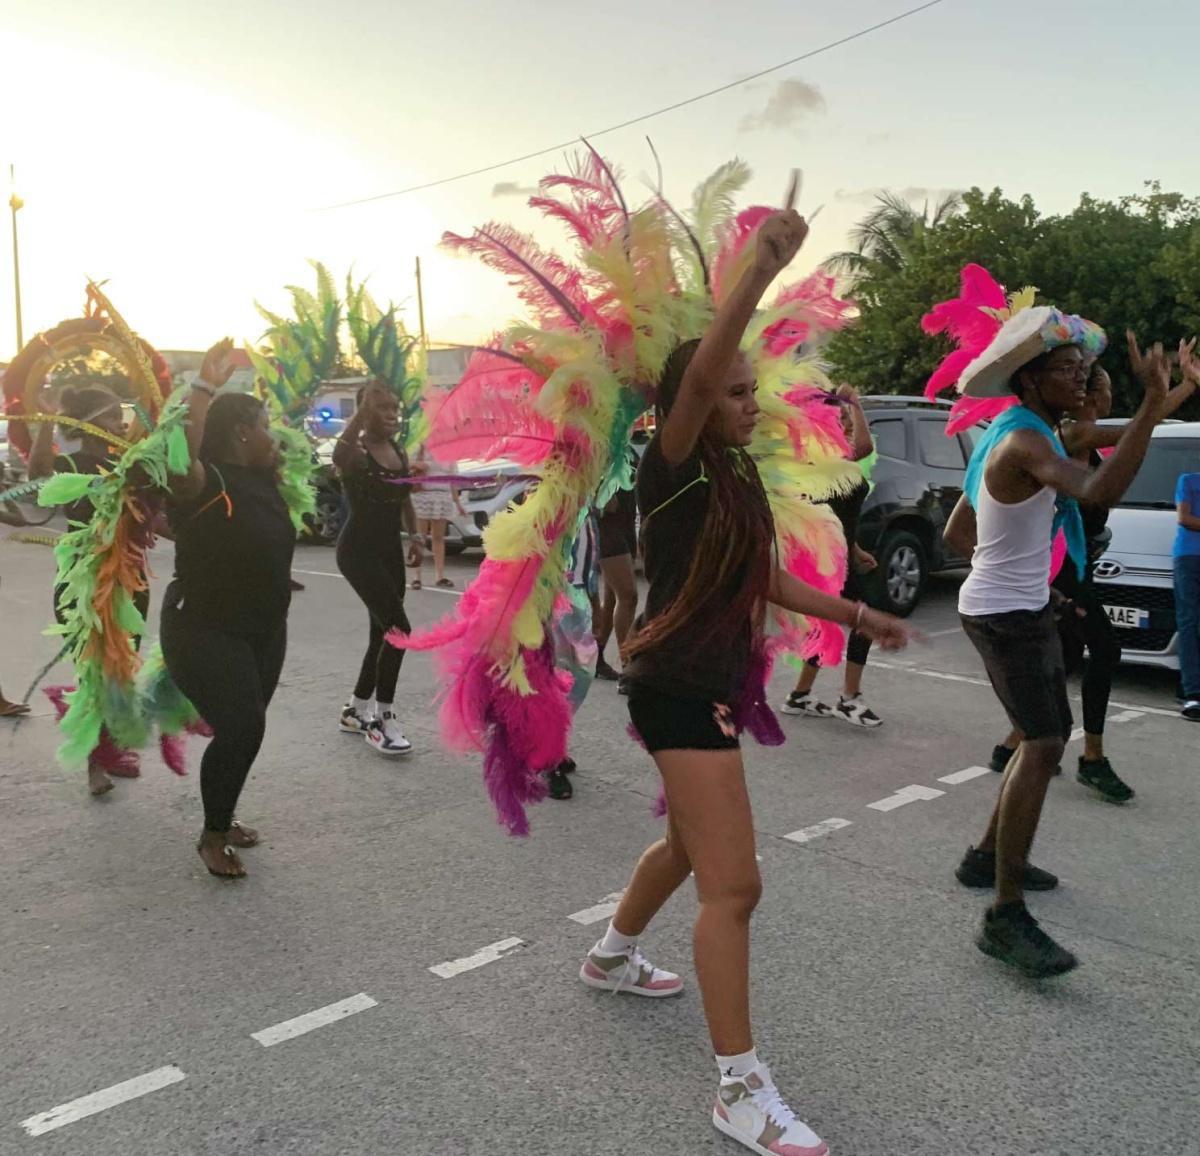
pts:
[546, 283]
[733, 241]
[490, 414]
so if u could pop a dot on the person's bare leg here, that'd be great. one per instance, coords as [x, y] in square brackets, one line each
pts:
[98, 781]
[988, 842]
[1022, 796]
[216, 851]
[660, 871]
[608, 607]
[852, 682]
[808, 678]
[424, 529]
[437, 532]
[620, 578]
[710, 810]
[1093, 747]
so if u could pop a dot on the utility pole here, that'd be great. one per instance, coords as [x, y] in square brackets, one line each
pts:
[15, 203]
[420, 307]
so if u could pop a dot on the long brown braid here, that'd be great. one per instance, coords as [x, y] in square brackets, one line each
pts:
[730, 574]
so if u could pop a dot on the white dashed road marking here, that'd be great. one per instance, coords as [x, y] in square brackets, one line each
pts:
[807, 834]
[906, 795]
[605, 909]
[483, 956]
[1126, 716]
[965, 776]
[101, 1101]
[310, 1021]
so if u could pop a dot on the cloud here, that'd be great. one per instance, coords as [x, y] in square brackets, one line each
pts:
[791, 102]
[914, 194]
[512, 189]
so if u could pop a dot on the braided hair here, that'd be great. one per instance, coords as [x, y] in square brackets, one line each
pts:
[731, 568]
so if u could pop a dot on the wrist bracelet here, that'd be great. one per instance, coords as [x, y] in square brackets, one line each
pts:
[862, 609]
[204, 387]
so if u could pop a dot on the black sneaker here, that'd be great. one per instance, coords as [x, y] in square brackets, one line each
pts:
[560, 785]
[604, 672]
[568, 766]
[1013, 936]
[1001, 756]
[1099, 775]
[978, 869]
[802, 702]
[1191, 710]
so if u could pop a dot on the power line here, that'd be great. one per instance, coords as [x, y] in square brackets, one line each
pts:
[645, 116]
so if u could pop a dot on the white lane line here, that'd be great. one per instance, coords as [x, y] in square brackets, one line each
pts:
[912, 794]
[933, 674]
[965, 776]
[310, 1021]
[605, 909]
[943, 633]
[101, 1101]
[483, 956]
[808, 834]
[1125, 716]
[906, 669]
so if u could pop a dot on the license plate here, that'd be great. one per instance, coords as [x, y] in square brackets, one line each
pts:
[1129, 617]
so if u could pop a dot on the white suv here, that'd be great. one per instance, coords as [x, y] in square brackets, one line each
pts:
[1135, 576]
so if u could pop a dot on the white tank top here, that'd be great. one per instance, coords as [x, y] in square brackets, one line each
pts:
[1011, 566]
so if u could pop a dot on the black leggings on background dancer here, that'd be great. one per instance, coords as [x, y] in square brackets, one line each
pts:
[370, 555]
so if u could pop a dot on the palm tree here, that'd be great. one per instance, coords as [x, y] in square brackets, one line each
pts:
[884, 238]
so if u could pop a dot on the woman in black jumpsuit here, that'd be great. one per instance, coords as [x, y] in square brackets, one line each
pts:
[224, 616]
[370, 554]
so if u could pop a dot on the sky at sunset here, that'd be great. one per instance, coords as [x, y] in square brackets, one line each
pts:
[184, 150]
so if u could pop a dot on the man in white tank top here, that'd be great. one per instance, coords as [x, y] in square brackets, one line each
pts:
[1018, 479]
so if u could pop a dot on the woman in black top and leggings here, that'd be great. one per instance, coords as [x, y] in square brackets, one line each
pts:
[708, 541]
[370, 554]
[224, 617]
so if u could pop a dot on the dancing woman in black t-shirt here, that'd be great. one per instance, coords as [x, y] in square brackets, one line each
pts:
[708, 544]
[224, 616]
[370, 555]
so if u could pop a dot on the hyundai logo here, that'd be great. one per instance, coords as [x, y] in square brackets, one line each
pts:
[1109, 569]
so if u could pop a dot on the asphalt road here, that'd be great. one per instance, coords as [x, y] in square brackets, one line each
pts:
[140, 999]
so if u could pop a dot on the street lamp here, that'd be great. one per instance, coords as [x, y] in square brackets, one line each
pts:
[15, 204]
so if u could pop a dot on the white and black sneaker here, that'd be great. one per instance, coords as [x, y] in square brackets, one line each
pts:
[856, 712]
[802, 702]
[355, 721]
[385, 736]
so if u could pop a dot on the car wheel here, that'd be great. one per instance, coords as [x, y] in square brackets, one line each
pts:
[899, 581]
[326, 522]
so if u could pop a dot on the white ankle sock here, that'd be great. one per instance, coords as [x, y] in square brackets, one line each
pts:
[737, 1067]
[384, 708]
[616, 943]
[364, 706]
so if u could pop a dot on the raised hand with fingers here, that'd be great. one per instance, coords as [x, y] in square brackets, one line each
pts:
[779, 239]
[1152, 368]
[217, 367]
[1189, 363]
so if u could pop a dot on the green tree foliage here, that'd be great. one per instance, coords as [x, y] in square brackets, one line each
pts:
[1133, 263]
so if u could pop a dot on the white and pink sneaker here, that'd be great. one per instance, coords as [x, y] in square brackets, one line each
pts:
[628, 973]
[751, 1111]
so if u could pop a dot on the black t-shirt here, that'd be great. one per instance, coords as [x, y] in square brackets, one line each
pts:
[674, 504]
[233, 552]
[82, 462]
[848, 508]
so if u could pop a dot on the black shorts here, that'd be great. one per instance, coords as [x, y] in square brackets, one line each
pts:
[618, 535]
[666, 722]
[1023, 656]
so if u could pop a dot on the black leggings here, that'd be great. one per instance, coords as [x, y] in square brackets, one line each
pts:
[229, 679]
[858, 646]
[1095, 634]
[379, 580]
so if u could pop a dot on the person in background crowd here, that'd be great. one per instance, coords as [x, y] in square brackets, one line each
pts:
[850, 707]
[618, 548]
[1187, 591]
[434, 505]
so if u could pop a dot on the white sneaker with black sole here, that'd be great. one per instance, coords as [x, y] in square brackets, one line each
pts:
[355, 721]
[805, 704]
[385, 736]
[856, 712]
